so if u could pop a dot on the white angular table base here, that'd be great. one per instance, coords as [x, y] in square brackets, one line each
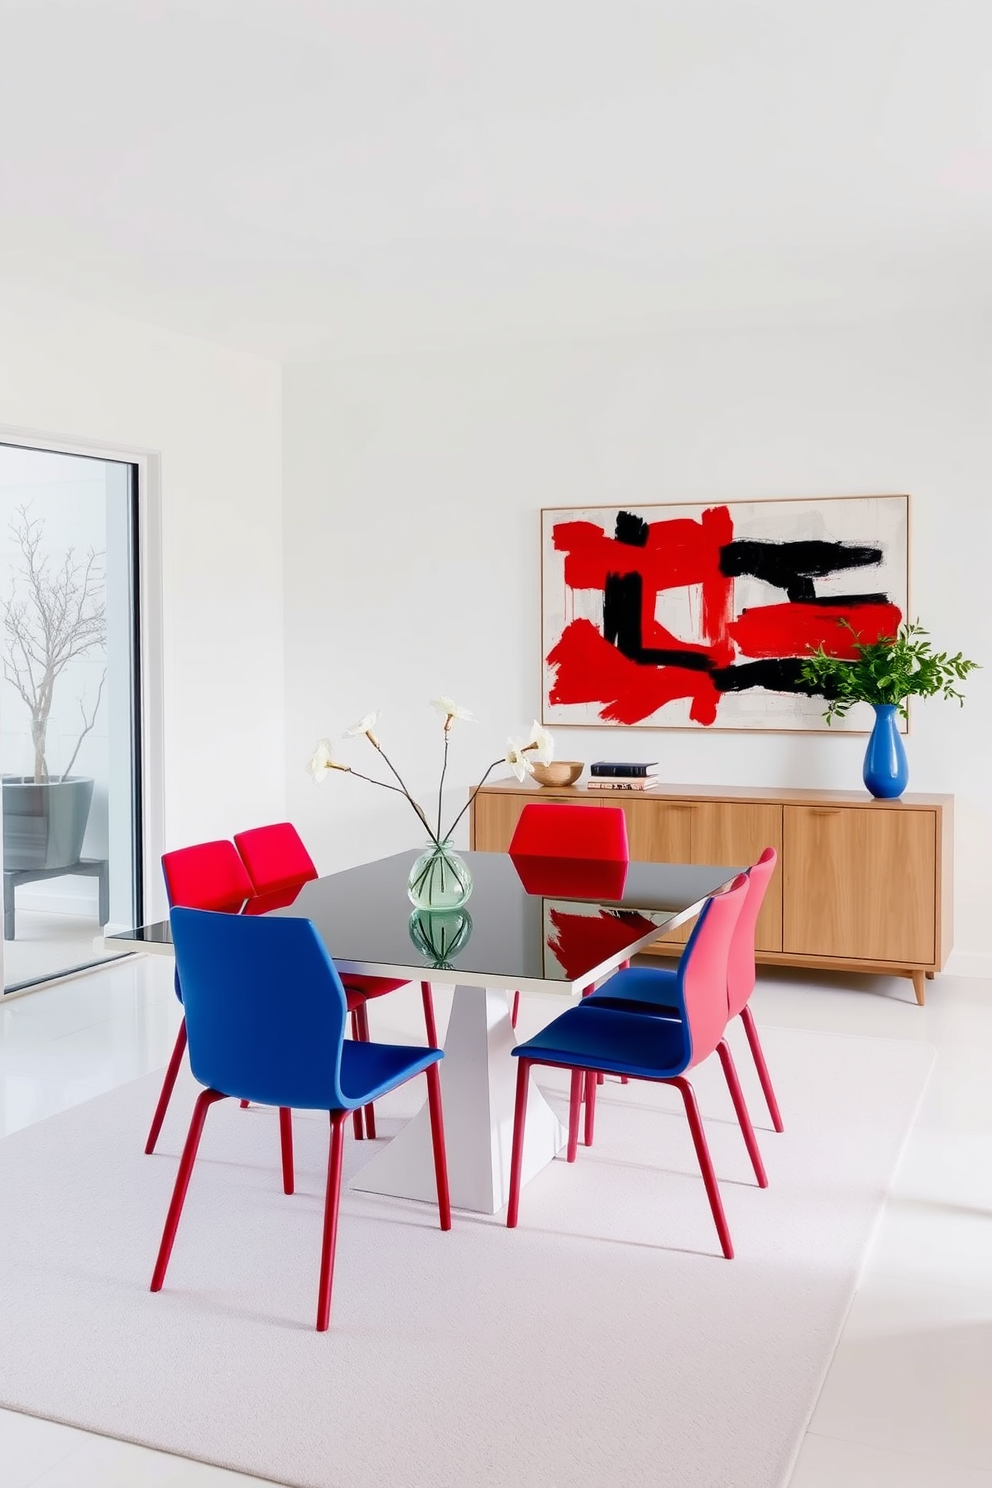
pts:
[478, 1085]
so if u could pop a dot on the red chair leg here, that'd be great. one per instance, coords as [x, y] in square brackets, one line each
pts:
[590, 1080]
[740, 1106]
[624, 966]
[362, 1019]
[517, 1153]
[437, 1142]
[574, 1102]
[286, 1143]
[204, 1100]
[356, 1115]
[705, 1164]
[331, 1204]
[245, 1105]
[429, 1023]
[747, 1018]
[515, 1009]
[167, 1087]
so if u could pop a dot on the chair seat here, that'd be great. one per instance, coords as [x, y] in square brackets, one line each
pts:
[638, 989]
[623, 1043]
[369, 986]
[370, 1070]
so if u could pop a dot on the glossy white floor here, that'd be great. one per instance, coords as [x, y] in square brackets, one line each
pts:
[47, 945]
[906, 1400]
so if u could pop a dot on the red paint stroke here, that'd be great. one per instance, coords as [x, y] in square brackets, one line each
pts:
[791, 629]
[581, 942]
[590, 670]
[718, 591]
[678, 552]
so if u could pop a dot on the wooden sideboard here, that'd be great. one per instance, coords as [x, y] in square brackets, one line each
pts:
[862, 885]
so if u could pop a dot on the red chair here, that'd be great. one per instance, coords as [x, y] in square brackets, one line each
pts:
[603, 1032]
[654, 989]
[209, 875]
[560, 830]
[742, 972]
[557, 829]
[277, 862]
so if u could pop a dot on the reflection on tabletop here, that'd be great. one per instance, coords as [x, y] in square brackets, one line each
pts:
[570, 878]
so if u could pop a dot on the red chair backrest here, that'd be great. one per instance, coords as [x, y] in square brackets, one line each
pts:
[559, 830]
[275, 857]
[209, 875]
[703, 967]
[741, 970]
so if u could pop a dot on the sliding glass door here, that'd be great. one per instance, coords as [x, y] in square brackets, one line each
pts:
[69, 712]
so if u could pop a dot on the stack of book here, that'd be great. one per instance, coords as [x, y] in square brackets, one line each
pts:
[622, 775]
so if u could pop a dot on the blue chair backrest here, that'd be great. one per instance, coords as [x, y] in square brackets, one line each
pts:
[265, 1008]
[702, 971]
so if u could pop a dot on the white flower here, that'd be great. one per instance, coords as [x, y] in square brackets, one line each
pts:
[542, 743]
[323, 760]
[517, 760]
[449, 710]
[364, 726]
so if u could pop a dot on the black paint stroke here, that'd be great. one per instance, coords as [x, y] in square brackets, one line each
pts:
[622, 611]
[845, 601]
[793, 566]
[778, 674]
[631, 530]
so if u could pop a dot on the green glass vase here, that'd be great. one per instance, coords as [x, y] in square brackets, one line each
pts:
[439, 879]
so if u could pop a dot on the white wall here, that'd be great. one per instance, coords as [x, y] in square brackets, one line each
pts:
[412, 490]
[213, 419]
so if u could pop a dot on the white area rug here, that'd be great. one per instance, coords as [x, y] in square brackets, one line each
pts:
[605, 1341]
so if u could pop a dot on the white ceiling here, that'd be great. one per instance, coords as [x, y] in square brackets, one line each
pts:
[287, 175]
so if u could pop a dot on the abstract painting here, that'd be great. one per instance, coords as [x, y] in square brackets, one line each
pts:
[700, 616]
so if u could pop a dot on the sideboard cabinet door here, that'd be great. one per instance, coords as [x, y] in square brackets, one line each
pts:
[660, 832]
[657, 831]
[739, 832]
[859, 883]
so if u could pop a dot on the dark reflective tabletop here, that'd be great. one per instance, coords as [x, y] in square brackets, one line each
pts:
[544, 923]
[530, 922]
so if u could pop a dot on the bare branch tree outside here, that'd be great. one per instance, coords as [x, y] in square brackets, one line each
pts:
[54, 617]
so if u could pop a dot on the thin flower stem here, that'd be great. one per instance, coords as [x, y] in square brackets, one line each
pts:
[372, 781]
[403, 789]
[472, 797]
[440, 788]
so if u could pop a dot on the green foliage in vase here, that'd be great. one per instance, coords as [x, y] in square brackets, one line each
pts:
[885, 672]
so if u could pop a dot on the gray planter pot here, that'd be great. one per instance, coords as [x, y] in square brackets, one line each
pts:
[44, 825]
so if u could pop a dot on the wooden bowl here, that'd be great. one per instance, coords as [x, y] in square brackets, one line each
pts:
[559, 772]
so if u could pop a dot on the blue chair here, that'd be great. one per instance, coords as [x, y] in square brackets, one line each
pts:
[644, 1046]
[230, 967]
[208, 875]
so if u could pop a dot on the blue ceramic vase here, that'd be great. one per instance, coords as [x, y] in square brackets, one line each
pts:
[886, 771]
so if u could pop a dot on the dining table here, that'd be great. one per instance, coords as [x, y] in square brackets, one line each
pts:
[548, 928]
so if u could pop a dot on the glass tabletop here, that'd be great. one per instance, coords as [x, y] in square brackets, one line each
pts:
[542, 924]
